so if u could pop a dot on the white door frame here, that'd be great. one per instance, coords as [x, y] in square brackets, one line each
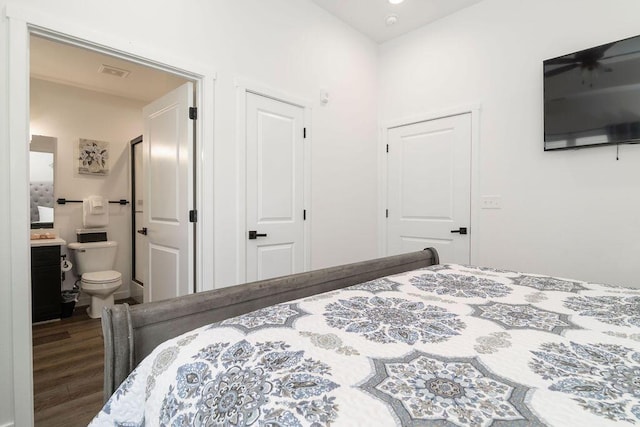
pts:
[474, 110]
[243, 87]
[21, 22]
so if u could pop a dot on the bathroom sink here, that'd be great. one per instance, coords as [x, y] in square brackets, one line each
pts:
[48, 242]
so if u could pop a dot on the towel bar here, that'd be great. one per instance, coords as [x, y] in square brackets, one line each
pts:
[63, 201]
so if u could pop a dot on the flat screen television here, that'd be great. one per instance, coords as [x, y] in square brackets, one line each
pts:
[592, 97]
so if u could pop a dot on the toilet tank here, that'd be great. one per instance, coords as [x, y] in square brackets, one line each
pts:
[94, 256]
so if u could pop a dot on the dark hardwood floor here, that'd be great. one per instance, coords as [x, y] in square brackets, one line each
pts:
[68, 362]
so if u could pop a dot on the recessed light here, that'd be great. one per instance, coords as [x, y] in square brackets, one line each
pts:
[395, 1]
[391, 20]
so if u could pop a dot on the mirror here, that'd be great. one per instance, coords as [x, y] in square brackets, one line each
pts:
[42, 156]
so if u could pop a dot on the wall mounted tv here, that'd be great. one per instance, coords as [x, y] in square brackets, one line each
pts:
[592, 97]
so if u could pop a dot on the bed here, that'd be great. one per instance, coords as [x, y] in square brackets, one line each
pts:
[401, 340]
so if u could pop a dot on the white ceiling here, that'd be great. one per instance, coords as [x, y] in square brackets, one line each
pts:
[74, 66]
[368, 16]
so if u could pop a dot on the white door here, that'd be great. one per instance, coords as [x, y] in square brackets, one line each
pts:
[429, 188]
[275, 188]
[167, 164]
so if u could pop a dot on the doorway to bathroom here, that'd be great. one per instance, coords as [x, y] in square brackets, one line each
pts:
[72, 100]
[65, 104]
[79, 95]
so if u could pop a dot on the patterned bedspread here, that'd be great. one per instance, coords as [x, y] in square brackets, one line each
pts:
[448, 345]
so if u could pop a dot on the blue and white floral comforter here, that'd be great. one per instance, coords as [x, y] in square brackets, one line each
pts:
[448, 345]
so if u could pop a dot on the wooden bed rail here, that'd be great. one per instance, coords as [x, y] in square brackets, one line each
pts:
[132, 332]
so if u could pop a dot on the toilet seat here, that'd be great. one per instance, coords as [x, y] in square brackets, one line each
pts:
[101, 277]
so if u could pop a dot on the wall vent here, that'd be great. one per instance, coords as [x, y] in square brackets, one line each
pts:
[113, 71]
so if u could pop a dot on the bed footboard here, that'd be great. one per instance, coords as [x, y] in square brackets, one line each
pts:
[132, 332]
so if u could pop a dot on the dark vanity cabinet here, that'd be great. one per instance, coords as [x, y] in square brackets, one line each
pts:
[45, 283]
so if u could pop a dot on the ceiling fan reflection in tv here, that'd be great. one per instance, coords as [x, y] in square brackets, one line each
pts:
[587, 60]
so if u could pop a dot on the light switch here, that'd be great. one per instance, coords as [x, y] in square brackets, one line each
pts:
[491, 202]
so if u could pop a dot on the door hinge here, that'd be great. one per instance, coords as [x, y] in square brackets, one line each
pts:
[193, 113]
[387, 213]
[387, 148]
[304, 133]
[193, 216]
[304, 215]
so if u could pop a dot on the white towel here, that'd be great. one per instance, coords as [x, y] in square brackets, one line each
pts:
[95, 212]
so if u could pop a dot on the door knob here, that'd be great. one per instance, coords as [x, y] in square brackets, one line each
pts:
[461, 230]
[253, 234]
[143, 231]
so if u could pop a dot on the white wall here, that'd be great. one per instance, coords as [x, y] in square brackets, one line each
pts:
[68, 114]
[569, 213]
[289, 45]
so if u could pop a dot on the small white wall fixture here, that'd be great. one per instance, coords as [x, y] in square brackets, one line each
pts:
[21, 24]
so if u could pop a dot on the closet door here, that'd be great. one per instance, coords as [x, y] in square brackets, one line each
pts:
[275, 188]
[429, 188]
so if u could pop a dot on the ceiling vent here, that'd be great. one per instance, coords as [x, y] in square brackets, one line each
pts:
[113, 71]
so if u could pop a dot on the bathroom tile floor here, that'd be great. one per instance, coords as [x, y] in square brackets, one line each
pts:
[68, 370]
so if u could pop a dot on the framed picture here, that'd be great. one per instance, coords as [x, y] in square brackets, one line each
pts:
[93, 158]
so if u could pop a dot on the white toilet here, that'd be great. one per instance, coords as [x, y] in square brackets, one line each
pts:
[94, 262]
